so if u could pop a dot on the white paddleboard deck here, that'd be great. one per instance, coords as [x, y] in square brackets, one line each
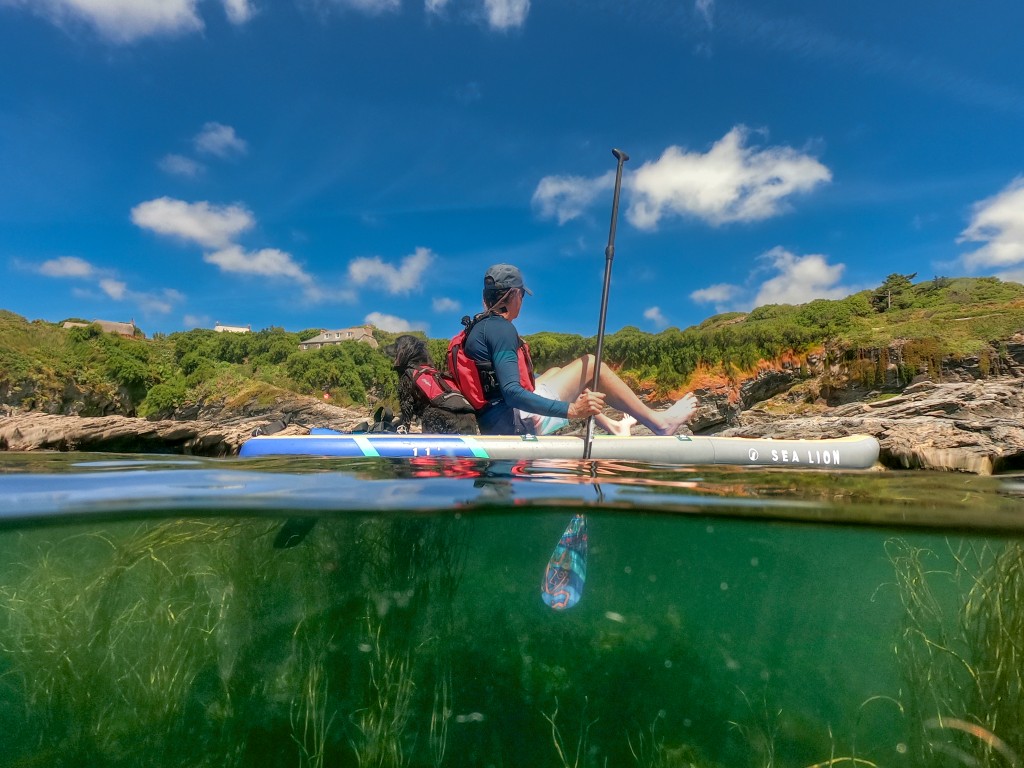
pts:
[854, 452]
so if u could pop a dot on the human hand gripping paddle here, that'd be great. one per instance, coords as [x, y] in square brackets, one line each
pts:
[566, 571]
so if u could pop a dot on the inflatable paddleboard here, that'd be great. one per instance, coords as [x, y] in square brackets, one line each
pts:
[854, 452]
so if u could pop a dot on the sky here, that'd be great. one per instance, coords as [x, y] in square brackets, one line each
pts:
[329, 163]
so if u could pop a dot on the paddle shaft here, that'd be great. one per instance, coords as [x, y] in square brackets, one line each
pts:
[609, 255]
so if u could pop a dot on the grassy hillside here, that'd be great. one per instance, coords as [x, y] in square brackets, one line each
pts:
[910, 325]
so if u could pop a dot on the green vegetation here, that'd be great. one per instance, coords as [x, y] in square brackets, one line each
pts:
[960, 653]
[902, 326]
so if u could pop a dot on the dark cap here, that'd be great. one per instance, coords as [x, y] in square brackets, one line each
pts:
[504, 277]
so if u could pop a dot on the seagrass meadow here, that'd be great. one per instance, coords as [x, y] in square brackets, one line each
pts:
[166, 611]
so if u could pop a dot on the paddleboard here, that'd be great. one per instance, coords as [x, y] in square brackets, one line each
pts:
[854, 452]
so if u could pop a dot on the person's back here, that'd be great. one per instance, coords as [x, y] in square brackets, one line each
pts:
[494, 342]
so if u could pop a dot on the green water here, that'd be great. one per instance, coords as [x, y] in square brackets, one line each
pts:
[728, 618]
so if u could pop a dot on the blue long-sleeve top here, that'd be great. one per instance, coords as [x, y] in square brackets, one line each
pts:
[495, 339]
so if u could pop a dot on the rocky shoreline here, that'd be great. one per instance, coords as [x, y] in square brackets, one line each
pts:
[968, 426]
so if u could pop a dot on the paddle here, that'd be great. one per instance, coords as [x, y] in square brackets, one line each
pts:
[609, 254]
[566, 571]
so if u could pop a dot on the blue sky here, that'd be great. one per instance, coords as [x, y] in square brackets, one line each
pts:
[325, 163]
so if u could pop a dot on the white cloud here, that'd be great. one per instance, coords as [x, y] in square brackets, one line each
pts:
[800, 279]
[211, 226]
[179, 165]
[161, 303]
[369, 6]
[120, 21]
[239, 11]
[219, 140]
[731, 182]
[115, 289]
[654, 315]
[435, 6]
[719, 293]
[195, 321]
[795, 280]
[316, 293]
[392, 324]
[394, 280]
[998, 222]
[567, 197]
[506, 14]
[706, 10]
[444, 304]
[67, 266]
[267, 262]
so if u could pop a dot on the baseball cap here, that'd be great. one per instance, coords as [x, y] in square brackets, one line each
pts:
[504, 277]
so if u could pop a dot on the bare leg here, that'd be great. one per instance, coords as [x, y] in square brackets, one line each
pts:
[569, 381]
[622, 428]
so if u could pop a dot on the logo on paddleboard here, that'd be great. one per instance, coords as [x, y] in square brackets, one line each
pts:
[752, 454]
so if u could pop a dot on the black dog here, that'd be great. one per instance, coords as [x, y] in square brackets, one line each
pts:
[445, 411]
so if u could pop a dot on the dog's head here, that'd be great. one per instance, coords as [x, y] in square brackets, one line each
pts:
[408, 351]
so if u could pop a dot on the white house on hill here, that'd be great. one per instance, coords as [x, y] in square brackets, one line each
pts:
[232, 328]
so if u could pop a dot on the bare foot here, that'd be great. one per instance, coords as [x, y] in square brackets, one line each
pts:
[623, 427]
[672, 419]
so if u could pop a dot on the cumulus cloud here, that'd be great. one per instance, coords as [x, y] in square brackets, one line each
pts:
[794, 280]
[444, 304]
[150, 303]
[179, 165]
[115, 289]
[405, 278]
[717, 294]
[266, 262]
[219, 140]
[67, 266]
[731, 182]
[567, 197]
[239, 11]
[800, 279]
[126, 21]
[215, 229]
[506, 14]
[392, 324]
[211, 226]
[998, 223]
[655, 316]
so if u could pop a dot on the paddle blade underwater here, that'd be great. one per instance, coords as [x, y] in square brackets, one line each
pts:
[566, 571]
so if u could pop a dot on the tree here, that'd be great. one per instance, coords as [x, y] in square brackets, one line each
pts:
[893, 292]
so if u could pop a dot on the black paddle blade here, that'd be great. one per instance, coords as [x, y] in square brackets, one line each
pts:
[293, 532]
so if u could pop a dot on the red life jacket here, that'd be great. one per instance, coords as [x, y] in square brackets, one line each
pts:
[477, 380]
[440, 390]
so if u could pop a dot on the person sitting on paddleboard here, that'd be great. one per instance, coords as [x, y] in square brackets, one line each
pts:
[492, 365]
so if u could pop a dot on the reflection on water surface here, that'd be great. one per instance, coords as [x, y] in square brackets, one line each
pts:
[326, 613]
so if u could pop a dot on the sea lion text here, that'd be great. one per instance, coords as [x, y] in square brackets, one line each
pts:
[809, 456]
